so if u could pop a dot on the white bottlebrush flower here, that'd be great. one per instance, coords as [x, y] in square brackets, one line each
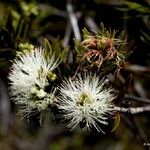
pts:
[86, 99]
[29, 76]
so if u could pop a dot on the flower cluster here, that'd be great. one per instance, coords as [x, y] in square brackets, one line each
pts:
[29, 76]
[85, 99]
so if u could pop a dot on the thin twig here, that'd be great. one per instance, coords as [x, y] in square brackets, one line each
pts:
[67, 35]
[89, 21]
[136, 98]
[53, 10]
[73, 20]
[138, 68]
[124, 89]
[132, 110]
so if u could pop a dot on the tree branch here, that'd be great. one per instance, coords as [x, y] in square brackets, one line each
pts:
[73, 21]
[132, 110]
